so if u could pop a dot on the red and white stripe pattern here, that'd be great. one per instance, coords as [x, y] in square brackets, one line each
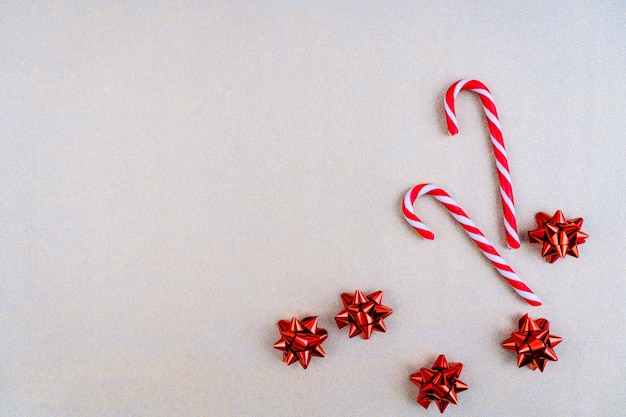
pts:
[472, 230]
[502, 164]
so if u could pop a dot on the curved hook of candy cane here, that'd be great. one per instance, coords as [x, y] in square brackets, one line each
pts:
[502, 164]
[471, 229]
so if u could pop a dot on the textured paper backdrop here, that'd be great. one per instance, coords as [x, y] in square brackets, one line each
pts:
[177, 177]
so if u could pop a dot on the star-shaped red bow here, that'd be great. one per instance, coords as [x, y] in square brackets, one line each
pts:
[439, 383]
[559, 236]
[299, 341]
[533, 343]
[363, 313]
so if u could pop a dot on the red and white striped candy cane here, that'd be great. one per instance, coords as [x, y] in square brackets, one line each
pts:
[502, 163]
[477, 236]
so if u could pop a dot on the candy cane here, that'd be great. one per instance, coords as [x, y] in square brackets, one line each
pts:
[468, 225]
[502, 164]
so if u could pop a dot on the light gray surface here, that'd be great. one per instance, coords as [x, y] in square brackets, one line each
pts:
[177, 178]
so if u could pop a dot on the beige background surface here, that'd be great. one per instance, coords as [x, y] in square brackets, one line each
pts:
[176, 178]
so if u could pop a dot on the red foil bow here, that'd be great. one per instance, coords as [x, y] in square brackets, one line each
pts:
[363, 313]
[439, 383]
[300, 340]
[559, 236]
[533, 343]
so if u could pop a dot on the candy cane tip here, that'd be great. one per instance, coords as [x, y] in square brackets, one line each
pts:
[534, 303]
[428, 235]
[452, 129]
